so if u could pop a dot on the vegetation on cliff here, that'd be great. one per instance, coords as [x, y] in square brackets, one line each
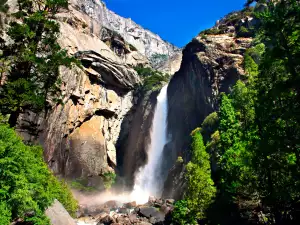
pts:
[254, 142]
[29, 69]
[31, 80]
[152, 79]
[27, 187]
[201, 190]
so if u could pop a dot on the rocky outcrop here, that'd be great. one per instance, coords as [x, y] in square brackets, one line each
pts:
[172, 65]
[175, 183]
[146, 42]
[211, 65]
[58, 215]
[79, 135]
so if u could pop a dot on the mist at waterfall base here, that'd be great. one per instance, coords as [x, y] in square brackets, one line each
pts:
[148, 181]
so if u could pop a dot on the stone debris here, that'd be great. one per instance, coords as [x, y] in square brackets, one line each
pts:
[116, 213]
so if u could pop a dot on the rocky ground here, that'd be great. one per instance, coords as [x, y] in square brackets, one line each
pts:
[155, 211]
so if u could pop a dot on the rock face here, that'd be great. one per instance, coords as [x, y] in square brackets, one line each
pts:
[144, 40]
[58, 215]
[79, 136]
[172, 65]
[211, 64]
[176, 183]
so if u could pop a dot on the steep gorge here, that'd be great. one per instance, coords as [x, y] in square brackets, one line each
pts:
[104, 124]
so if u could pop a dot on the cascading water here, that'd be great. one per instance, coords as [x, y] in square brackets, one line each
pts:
[148, 181]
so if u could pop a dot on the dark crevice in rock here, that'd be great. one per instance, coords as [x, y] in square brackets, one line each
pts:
[106, 113]
[74, 99]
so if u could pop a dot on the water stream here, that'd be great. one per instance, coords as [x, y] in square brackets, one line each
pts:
[148, 181]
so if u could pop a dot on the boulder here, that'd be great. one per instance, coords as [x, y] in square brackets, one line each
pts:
[123, 210]
[112, 204]
[123, 220]
[133, 218]
[58, 215]
[106, 220]
[149, 212]
[130, 205]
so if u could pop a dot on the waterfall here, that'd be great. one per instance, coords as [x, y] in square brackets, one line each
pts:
[148, 181]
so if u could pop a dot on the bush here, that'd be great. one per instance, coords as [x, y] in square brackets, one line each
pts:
[244, 32]
[179, 159]
[181, 214]
[210, 125]
[109, 179]
[26, 184]
[152, 79]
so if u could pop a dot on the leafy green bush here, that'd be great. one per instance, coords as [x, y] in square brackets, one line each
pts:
[212, 31]
[152, 79]
[109, 179]
[181, 214]
[210, 125]
[179, 159]
[244, 32]
[26, 184]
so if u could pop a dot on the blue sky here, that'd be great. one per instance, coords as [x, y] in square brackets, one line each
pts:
[176, 21]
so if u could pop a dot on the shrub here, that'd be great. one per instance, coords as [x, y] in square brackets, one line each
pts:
[244, 32]
[210, 125]
[212, 31]
[152, 79]
[81, 185]
[109, 179]
[181, 214]
[26, 184]
[179, 159]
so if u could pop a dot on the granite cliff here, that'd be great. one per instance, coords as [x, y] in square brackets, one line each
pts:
[80, 135]
[211, 64]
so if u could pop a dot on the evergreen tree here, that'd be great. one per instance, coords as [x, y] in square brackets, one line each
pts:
[33, 79]
[277, 153]
[200, 187]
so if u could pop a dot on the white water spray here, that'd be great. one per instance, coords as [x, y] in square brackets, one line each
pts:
[148, 181]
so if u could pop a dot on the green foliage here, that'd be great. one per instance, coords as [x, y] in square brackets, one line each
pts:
[109, 179]
[152, 79]
[26, 184]
[244, 32]
[179, 160]
[212, 31]
[33, 79]
[210, 125]
[158, 58]
[258, 141]
[200, 187]
[181, 214]
[251, 68]
[81, 185]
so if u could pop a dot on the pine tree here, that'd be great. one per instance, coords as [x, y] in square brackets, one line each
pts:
[33, 79]
[201, 190]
